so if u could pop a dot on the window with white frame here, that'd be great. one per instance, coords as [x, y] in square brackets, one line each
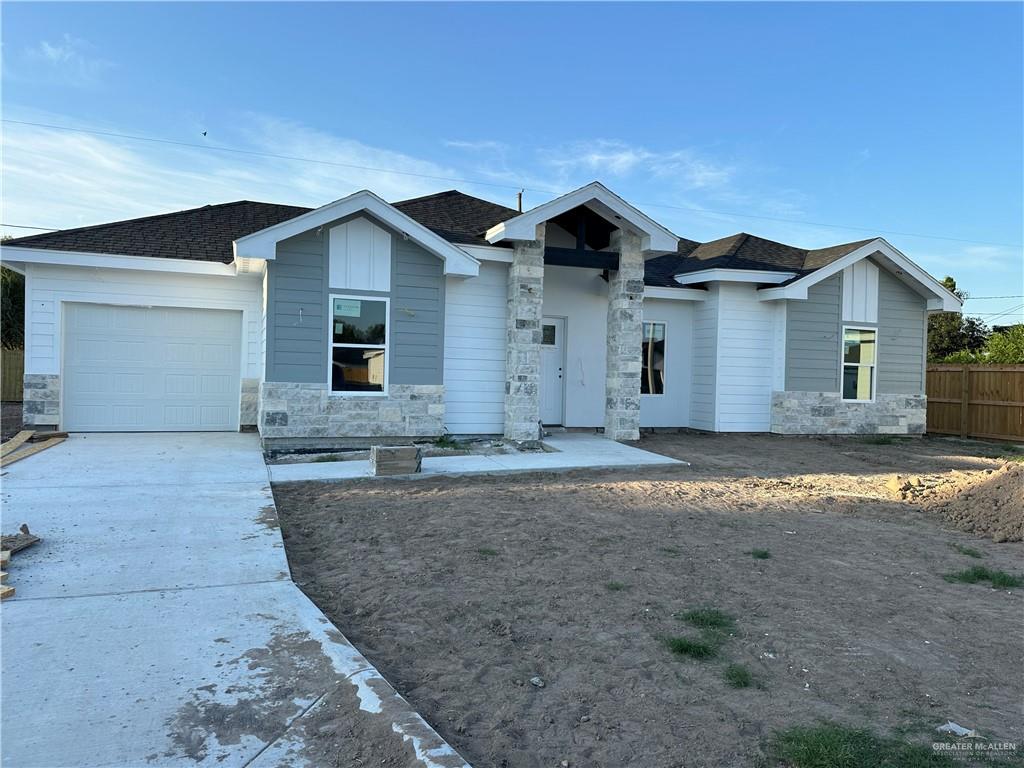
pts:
[652, 374]
[359, 345]
[860, 353]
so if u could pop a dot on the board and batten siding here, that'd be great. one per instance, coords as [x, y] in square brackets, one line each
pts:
[299, 286]
[812, 338]
[902, 333]
[475, 332]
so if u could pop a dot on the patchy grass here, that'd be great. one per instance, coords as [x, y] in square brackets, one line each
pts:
[615, 586]
[487, 552]
[965, 550]
[447, 441]
[695, 649]
[830, 745]
[759, 554]
[1016, 457]
[738, 676]
[978, 573]
[708, 618]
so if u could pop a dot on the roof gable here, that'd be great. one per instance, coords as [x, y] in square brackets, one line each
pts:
[263, 244]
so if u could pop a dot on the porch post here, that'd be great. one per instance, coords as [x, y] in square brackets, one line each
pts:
[522, 350]
[625, 328]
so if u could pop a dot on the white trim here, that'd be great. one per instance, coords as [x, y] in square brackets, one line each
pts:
[16, 254]
[601, 200]
[331, 345]
[263, 244]
[644, 321]
[842, 362]
[489, 253]
[939, 297]
[676, 294]
[734, 276]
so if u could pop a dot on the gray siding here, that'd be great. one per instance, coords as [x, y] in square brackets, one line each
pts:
[417, 314]
[296, 311]
[902, 328]
[298, 279]
[812, 338]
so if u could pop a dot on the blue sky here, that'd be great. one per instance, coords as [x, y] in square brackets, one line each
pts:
[897, 118]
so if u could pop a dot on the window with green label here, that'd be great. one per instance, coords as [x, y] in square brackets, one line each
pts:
[359, 344]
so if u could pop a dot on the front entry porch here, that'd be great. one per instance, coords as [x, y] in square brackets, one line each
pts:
[604, 240]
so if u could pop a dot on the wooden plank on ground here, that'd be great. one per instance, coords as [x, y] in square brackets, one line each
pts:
[38, 437]
[5, 558]
[15, 442]
[6, 591]
[3, 577]
[17, 542]
[31, 451]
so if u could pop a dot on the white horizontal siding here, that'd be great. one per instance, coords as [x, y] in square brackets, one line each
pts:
[48, 286]
[746, 359]
[475, 328]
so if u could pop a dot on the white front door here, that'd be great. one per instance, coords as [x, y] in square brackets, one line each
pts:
[552, 375]
[150, 369]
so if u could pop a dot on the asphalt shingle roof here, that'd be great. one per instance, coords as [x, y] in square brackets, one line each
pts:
[207, 233]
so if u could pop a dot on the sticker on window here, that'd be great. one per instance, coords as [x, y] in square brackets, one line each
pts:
[347, 307]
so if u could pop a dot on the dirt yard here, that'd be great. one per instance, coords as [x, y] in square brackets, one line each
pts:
[10, 419]
[463, 590]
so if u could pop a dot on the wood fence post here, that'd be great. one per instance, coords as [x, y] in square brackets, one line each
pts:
[965, 399]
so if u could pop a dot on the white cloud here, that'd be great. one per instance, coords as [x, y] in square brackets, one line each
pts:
[70, 60]
[63, 179]
[684, 168]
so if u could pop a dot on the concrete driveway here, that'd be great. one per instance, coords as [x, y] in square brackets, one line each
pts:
[157, 624]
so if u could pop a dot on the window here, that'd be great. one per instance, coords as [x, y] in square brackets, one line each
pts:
[859, 355]
[359, 344]
[652, 376]
[548, 337]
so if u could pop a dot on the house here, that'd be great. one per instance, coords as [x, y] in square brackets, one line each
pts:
[448, 313]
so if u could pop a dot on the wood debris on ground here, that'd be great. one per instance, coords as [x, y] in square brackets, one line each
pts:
[16, 449]
[18, 541]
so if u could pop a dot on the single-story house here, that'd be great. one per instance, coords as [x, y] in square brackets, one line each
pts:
[452, 314]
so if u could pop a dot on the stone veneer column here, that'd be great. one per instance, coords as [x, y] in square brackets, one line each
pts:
[625, 329]
[522, 350]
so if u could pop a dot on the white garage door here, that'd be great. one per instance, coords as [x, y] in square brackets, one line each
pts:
[150, 369]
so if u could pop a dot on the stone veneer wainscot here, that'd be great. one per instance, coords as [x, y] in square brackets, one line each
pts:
[289, 410]
[807, 413]
[41, 401]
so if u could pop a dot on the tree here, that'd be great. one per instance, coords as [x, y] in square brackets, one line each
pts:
[1006, 347]
[952, 332]
[12, 309]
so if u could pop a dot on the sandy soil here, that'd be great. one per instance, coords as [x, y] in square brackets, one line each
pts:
[462, 590]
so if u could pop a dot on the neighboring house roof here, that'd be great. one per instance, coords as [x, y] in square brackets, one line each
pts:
[207, 234]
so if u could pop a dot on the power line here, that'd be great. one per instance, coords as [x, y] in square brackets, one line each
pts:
[476, 182]
[25, 226]
[1011, 296]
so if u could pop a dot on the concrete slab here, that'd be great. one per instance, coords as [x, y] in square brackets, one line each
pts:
[156, 623]
[572, 450]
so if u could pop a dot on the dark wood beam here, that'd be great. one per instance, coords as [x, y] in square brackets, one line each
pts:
[574, 257]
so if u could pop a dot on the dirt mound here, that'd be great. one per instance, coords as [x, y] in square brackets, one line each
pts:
[993, 507]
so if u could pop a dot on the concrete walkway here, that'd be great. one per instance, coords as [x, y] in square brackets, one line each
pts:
[156, 624]
[572, 450]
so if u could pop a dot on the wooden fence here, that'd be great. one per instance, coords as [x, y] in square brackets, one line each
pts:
[976, 400]
[12, 374]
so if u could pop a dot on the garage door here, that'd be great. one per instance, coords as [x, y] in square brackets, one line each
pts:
[150, 369]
